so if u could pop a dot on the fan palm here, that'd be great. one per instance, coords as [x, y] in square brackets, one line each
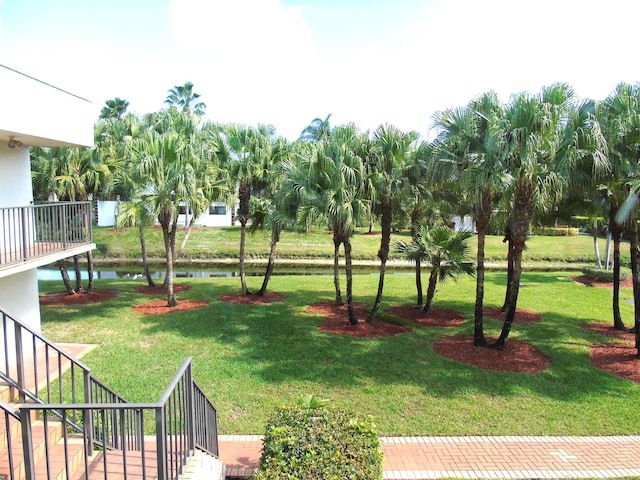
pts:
[446, 252]
[185, 99]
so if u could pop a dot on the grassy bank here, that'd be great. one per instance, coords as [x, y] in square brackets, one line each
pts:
[209, 244]
[250, 359]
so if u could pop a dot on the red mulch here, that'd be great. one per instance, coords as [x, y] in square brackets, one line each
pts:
[590, 282]
[59, 299]
[268, 297]
[619, 359]
[517, 356]
[160, 290]
[522, 316]
[338, 321]
[159, 307]
[436, 317]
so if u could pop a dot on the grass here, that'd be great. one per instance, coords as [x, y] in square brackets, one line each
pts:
[250, 359]
[210, 244]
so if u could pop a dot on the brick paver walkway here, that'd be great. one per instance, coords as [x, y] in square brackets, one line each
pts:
[477, 457]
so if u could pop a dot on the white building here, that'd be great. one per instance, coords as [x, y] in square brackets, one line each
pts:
[34, 113]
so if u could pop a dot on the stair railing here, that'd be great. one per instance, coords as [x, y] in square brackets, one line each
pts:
[179, 430]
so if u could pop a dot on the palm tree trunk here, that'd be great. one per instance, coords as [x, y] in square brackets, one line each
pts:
[244, 195]
[616, 235]
[431, 290]
[518, 232]
[166, 234]
[510, 261]
[348, 269]
[483, 216]
[76, 268]
[90, 286]
[65, 277]
[275, 238]
[336, 267]
[596, 247]
[383, 254]
[418, 268]
[145, 260]
[183, 244]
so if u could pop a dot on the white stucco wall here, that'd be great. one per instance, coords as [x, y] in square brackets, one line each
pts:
[106, 212]
[15, 177]
[19, 297]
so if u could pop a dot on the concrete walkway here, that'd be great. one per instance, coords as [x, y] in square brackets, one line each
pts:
[477, 457]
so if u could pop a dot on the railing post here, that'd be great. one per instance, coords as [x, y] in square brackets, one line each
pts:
[191, 413]
[63, 227]
[161, 443]
[27, 445]
[87, 415]
[17, 330]
[25, 244]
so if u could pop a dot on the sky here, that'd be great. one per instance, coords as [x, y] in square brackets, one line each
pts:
[286, 62]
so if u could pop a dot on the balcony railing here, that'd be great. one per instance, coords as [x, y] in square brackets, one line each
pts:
[42, 229]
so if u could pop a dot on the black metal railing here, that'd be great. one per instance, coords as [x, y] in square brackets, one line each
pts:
[163, 455]
[55, 387]
[42, 229]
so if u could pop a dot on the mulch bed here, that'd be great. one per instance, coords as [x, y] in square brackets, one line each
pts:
[522, 316]
[337, 321]
[159, 307]
[517, 356]
[160, 290]
[268, 297]
[59, 299]
[436, 317]
[619, 359]
[590, 282]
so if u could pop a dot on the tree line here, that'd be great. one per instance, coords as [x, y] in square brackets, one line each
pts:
[533, 158]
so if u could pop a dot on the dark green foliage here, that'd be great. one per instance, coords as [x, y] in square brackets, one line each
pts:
[605, 275]
[314, 441]
[564, 231]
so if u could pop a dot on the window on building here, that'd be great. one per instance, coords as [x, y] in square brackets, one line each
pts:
[182, 210]
[217, 210]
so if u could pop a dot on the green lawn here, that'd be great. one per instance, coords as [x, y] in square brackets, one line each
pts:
[210, 243]
[250, 359]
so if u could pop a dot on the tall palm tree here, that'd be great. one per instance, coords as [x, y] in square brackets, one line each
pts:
[543, 153]
[470, 151]
[169, 162]
[249, 155]
[619, 117]
[185, 99]
[328, 181]
[446, 252]
[114, 108]
[317, 131]
[390, 153]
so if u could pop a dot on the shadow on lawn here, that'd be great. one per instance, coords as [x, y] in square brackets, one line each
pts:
[281, 343]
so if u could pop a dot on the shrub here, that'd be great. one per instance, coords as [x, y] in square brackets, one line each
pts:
[605, 275]
[562, 231]
[316, 441]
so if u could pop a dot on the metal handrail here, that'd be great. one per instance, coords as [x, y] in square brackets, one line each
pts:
[33, 231]
[176, 433]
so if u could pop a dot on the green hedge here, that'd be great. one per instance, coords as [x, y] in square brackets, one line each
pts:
[314, 441]
[563, 231]
[605, 275]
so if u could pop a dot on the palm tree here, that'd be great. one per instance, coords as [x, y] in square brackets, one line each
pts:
[619, 117]
[446, 252]
[185, 99]
[317, 131]
[470, 151]
[249, 151]
[328, 182]
[387, 164]
[544, 148]
[114, 108]
[169, 163]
